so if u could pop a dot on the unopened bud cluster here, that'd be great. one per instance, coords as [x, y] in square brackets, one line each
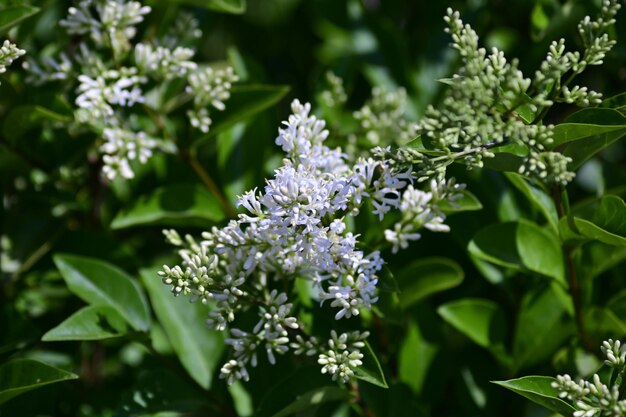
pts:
[118, 82]
[489, 102]
[9, 52]
[594, 398]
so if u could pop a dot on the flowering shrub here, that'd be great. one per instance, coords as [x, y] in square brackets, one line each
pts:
[309, 274]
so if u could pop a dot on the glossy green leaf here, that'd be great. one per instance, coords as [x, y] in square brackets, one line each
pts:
[198, 348]
[538, 197]
[245, 101]
[11, 16]
[587, 132]
[223, 6]
[539, 390]
[425, 277]
[22, 375]
[521, 244]
[89, 323]
[480, 320]
[175, 205]
[468, 202]
[102, 284]
[312, 399]
[370, 371]
[543, 325]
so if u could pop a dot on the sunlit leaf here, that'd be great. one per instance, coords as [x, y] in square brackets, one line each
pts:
[198, 348]
[102, 284]
[89, 323]
[521, 244]
[174, 205]
[539, 390]
[425, 277]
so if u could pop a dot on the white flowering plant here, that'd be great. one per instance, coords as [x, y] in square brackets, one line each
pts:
[418, 226]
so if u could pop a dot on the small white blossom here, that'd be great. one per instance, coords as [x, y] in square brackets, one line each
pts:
[9, 52]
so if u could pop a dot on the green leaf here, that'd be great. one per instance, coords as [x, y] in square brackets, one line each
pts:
[198, 348]
[587, 132]
[13, 15]
[160, 390]
[480, 320]
[176, 205]
[415, 358]
[539, 390]
[312, 399]
[617, 102]
[468, 202]
[543, 325]
[305, 380]
[22, 375]
[598, 257]
[89, 323]
[538, 197]
[224, 6]
[611, 215]
[245, 101]
[586, 230]
[23, 118]
[425, 277]
[521, 244]
[102, 284]
[604, 322]
[370, 371]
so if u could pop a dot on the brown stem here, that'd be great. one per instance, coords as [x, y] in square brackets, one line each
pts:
[572, 279]
[359, 402]
[206, 179]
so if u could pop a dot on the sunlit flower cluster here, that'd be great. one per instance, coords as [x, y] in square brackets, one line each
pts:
[296, 228]
[113, 77]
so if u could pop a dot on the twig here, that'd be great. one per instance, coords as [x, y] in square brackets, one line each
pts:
[206, 179]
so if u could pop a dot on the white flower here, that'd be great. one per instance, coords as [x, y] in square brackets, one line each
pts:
[122, 146]
[9, 52]
[164, 63]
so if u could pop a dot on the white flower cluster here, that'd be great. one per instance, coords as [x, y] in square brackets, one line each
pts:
[296, 228]
[122, 146]
[49, 69]
[108, 90]
[420, 210]
[109, 23]
[163, 62]
[594, 398]
[343, 355]
[480, 109]
[97, 95]
[209, 87]
[9, 52]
